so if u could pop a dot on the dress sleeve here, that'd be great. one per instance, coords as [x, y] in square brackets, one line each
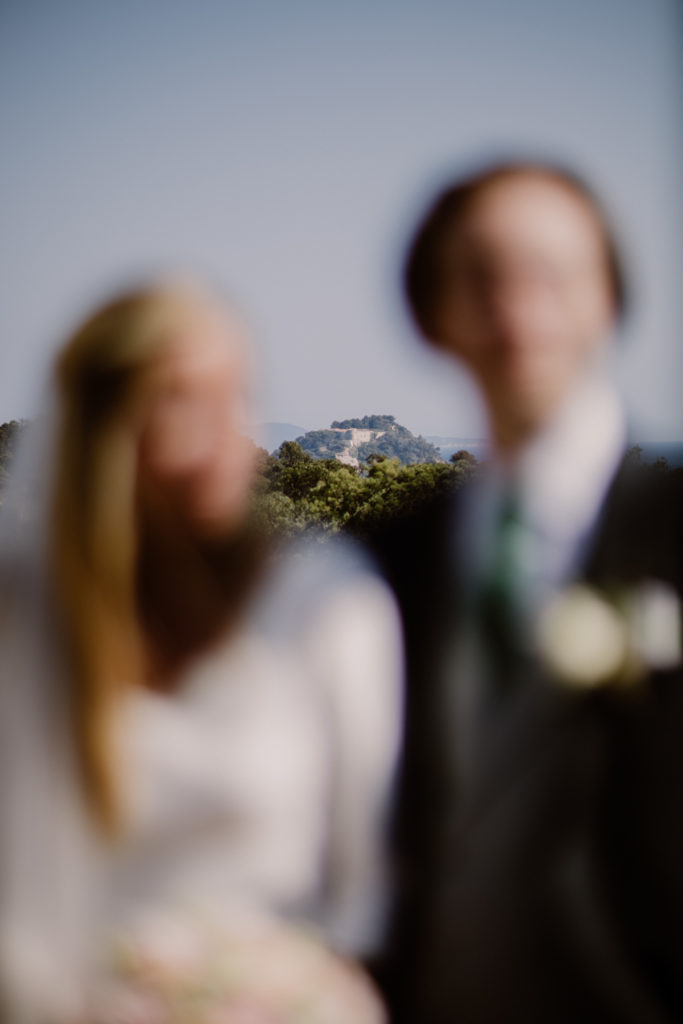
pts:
[353, 643]
[45, 845]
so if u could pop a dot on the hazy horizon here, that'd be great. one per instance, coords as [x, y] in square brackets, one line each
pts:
[479, 438]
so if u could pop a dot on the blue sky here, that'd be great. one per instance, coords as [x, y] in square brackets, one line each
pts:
[284, 149]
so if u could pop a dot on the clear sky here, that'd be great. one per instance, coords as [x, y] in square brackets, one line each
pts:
[284, 148]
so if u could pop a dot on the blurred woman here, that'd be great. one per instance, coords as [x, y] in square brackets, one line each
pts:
[192, 720]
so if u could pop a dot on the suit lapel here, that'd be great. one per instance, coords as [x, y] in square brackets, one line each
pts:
[640, 531]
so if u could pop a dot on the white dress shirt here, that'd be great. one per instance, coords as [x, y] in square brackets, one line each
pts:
[561, 479]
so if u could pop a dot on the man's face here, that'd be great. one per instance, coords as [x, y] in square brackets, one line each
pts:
[526, 301]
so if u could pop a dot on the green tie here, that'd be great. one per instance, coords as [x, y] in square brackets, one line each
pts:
[498, 604]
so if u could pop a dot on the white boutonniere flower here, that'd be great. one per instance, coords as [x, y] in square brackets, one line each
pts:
[591, 638]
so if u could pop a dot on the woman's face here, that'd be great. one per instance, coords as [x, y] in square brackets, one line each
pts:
[193, 447]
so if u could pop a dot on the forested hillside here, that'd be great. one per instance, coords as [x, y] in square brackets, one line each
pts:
[353, 441]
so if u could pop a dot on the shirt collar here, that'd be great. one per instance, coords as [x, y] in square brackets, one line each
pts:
[564, 473]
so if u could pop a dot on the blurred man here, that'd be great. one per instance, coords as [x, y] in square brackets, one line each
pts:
[539, 827]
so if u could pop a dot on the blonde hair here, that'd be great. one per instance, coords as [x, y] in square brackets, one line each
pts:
[102, 378]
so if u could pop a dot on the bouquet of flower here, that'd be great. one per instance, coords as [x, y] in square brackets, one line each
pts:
[243, 969]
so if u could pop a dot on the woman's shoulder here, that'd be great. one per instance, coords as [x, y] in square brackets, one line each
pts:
[308, 578]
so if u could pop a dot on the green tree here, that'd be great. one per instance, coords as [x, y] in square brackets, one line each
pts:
[9, 438]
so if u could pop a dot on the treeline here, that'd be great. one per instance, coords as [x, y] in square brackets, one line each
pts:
[9, 438]
[297, 491]
[375, 422]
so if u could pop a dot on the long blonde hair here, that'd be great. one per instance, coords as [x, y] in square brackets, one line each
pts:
[102, 377]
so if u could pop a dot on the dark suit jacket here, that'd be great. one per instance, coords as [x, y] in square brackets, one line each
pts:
[552, 888]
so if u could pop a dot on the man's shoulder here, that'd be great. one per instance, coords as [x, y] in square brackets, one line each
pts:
[640, 531]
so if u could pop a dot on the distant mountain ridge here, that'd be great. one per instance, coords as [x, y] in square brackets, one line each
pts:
[448, 445]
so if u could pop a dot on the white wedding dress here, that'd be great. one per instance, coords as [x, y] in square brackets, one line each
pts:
[263, 781]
